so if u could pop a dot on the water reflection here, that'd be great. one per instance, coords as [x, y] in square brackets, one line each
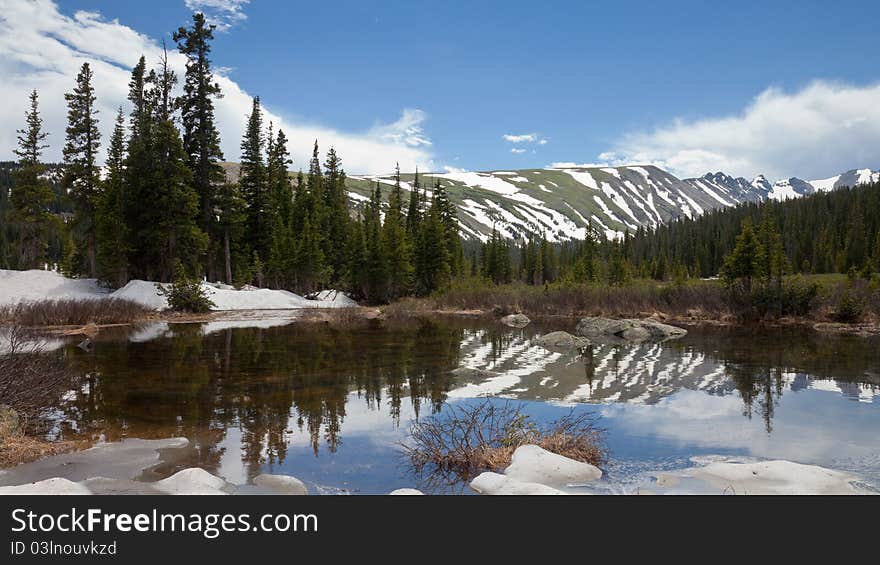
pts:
[265, 383]
[331, 403]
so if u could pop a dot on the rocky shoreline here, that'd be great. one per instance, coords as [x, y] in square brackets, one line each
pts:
[130, 467]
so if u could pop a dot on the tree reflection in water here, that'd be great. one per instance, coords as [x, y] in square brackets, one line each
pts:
[261, 381]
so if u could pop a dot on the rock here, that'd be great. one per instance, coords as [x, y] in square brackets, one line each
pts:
[191, 481]
[281, 484]
[627, 330]
[406, 492]
[562, 341]
[494, 484]
[516, 320]
[532, 464]
[54, 486]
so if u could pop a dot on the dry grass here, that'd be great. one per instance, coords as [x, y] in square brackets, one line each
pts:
[73, 312]
[16, 447]
[464, 441]
[702, 300]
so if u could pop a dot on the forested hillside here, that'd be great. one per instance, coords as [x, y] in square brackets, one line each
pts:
[827, 232]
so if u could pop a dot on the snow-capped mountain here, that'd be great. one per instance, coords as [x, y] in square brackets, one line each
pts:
[562, 202]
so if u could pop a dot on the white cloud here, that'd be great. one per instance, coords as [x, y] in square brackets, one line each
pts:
[524, 138]
[42, 48]
[407, 130]
[823, 129]
[222, 13]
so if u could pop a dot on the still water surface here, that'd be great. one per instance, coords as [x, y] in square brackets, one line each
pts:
[331, 406]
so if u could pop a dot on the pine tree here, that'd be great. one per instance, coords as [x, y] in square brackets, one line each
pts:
[232, 217]
[337, 215]
[253, 183]
[397, 246]
[31, 195]
[378, 277]
[414, 212]
[111, 228]
[82, 178]
[743, 263]
[449, 219]
[166, 231]
[433, 266]
[280, 259]
[201, 139]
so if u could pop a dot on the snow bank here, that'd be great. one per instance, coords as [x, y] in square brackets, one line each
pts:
[17, 286]
[759, 478]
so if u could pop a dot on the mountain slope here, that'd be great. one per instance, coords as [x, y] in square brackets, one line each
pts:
[560, 203]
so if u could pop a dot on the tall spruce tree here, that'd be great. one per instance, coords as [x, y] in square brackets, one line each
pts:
[337, 217]
[253, 183]
[397, 245]
[82, 176]
[165, 232]
[201, 139]
[414, 212]
[279, 262]
[433, 270]
[31, 195]
[111, 227]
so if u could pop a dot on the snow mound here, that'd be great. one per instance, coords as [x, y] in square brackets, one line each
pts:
[18, 286]
[532, 464]
[337, 297]
[53, 486]
[142, 292]
[495, 484]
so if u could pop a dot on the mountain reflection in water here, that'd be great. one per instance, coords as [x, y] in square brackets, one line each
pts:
[330, 405]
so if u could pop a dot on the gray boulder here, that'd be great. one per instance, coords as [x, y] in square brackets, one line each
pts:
[627, 330]
[562, 341]
[516, 320]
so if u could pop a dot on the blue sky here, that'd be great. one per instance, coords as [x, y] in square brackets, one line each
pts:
[598, 81]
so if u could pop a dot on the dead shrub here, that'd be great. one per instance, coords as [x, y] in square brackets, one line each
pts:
[30, 381]
[463, 441]
[74, 312]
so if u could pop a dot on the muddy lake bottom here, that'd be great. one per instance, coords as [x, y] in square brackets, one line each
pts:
[331, 406]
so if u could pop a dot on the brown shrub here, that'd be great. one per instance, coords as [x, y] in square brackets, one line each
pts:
[464, 441]
[30, 381]
[74, 312]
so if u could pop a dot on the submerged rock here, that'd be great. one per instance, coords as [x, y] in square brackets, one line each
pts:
[562, 341]
[406, 492]
[627, 330]
[495, 484]
[516, 320]
[281, 484]
[532, 464]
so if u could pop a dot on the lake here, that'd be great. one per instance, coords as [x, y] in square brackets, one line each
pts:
[331, 406]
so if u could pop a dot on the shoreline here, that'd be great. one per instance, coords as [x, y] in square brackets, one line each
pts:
[355, 314]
